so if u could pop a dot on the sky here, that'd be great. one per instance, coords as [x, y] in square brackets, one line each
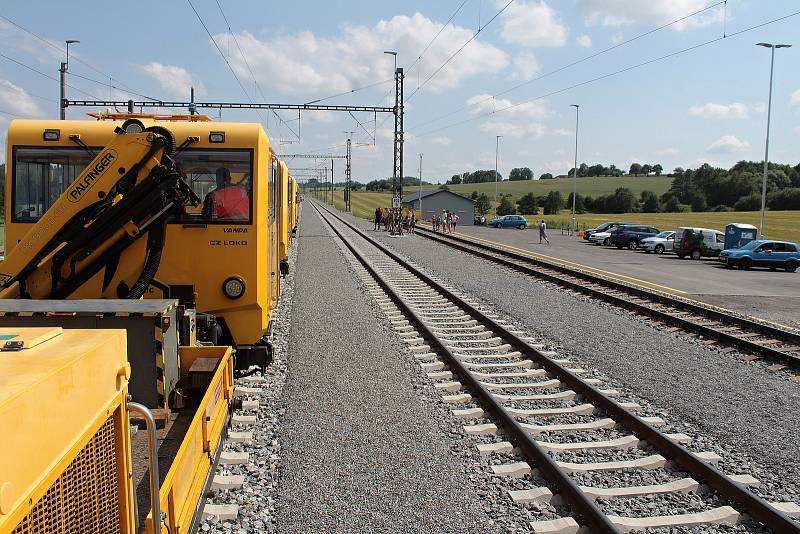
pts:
[676, 82]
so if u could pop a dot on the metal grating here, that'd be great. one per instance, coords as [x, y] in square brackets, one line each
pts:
[85, 497]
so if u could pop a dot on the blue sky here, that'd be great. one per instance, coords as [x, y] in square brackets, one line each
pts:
[704, 105]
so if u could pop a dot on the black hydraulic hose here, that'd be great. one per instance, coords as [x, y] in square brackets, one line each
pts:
[155, 244]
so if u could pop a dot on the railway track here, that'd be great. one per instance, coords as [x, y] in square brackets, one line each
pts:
[542, 422]
[715, 324]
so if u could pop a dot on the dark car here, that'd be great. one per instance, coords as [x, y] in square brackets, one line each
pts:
[602, 228]
[630, 235]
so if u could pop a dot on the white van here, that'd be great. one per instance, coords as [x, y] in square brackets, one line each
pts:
[698, 242]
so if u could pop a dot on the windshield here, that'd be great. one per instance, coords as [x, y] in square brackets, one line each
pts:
[751, 245]
[220, 177]
[665, 234]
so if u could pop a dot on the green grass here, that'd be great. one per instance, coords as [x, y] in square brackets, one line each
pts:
[781, 225]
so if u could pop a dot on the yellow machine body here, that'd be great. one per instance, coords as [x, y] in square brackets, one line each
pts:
[66, 456]
[294, 203]
[284, 228]
[202, 253]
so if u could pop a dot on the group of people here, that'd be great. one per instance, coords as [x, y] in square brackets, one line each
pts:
[395, 220]
[446, 222]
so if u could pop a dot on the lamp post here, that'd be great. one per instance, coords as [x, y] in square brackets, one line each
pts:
[421, 215]
[391, 53]
[496, 150]
[62, 110]
[766, 149]
[575, 172]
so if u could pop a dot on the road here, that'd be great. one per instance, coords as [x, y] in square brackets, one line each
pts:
[771, 295]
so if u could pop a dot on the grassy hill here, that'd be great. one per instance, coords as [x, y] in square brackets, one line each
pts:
[586, 186]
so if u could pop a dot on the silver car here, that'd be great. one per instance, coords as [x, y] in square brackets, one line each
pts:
[659, 243]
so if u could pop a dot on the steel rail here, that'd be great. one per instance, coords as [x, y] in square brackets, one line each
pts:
[465, 245]
[586, 508]
[748, 502]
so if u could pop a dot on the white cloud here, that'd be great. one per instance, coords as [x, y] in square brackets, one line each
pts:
[526, 67]
[533, 24]
[174, 81]
[621, 12]
[671, 151]
[442, 141]
[566, 132]
[728, 144]
[14, 38]
[584, 40]
[303, 63]
[17, 101]
[617, 38]
[711, 110]
[486, 104]
[796, 98]
[514, 129]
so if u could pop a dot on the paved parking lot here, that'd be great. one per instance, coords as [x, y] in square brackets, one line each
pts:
[771, 295]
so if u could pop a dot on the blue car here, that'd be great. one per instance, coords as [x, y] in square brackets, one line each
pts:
[510, 221]
[763, 253]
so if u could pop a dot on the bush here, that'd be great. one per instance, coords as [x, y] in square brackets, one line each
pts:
[673, 205]
[505, 207]
[785, 199]
[527, 205]
[553, 203]
[721, 208]
[751, 202]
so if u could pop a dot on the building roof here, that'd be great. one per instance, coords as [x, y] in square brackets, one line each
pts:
[411, 197]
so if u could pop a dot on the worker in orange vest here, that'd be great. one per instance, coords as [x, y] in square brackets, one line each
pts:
[228, 201]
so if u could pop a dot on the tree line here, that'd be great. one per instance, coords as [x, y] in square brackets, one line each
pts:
[584, 171]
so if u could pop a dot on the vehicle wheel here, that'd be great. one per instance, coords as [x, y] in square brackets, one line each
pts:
[791, 266]
[606, 241]
[728, 266]
[497, 225]
[633, 244]
[681, 256]
[659, 249]
[619, 247]
[696, 254]
[745, 264]
[521, 226]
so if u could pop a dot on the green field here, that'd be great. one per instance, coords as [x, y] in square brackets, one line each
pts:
[592, 187]
[784, 225]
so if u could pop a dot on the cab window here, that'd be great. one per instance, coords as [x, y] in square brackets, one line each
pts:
[40, 175]
[223, 179]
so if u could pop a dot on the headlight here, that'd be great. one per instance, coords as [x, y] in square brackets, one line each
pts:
[233, 287]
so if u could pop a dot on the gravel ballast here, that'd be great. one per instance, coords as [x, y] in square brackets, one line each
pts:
[360, 451]
[749, 413]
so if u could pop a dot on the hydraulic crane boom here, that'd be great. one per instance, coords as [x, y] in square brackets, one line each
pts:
[126, 192]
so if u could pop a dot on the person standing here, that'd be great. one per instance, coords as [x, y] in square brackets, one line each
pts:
[455, 221]
[543, 232]
[378, 216]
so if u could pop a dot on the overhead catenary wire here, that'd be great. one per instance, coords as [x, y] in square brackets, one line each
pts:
[122, 87]
[247, 63]
[37, 71]
[454, 54]
[574, 63]
[612, 74]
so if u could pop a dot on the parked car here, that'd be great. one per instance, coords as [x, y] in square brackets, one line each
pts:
[510, 221]
[658, 243]
[630, 235]
[698, 242]
[604, 237]
[763, 253]
[602, 228]
[479, 220]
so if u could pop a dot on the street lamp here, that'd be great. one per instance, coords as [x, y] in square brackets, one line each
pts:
[766, 150]
[575, 173]
[395, 59]
[62, 110]
[421, 215]
[496, 149]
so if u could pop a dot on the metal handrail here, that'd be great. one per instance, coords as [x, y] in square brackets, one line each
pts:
[152, 451]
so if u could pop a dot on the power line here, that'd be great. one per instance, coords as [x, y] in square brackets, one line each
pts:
[124, 88]
[351, 91]
[37, 71]
[572, 64]
[615, 73]
[454, 54]
[419, 57]
[111, 86]
[247, 63]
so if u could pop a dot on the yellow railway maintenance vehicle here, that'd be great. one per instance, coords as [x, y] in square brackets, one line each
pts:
[67, 464]
[212, 240]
